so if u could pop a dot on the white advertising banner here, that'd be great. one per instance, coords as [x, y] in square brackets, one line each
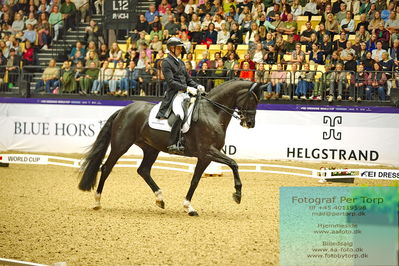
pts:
[367, 135]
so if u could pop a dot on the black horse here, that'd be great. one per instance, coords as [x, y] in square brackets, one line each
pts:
[204, 140]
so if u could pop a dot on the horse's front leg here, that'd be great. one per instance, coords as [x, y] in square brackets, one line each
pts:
[202, 164]
[219, 157]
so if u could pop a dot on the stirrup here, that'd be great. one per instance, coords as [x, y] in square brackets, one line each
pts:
[176, 148]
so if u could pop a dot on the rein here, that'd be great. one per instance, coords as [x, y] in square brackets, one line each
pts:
[232, 112]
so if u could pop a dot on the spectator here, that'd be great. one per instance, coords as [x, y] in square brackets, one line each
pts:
[376, 81]
[86, 82]
[68, 82]
[271, 56]
[150, 14]
[204, 8]
[163, 6]
[12, 66]
[219, 73]
[361, 55]
[296, 9]
[278, 79]
[247, 59]
[115, 54]
[342, 13]
[68, 11]
[310, 9]
[18, 25]
[305, 35]
[332, 25]
[316, 56]
[387, 65]
[235, 34]
[79, 73]
[348, 50]
[371, 44]
[171, 26]
[394, 50]
[103, 78]
[156, 32]
[321, 84]
[234, 73]
[341, 43]
[363, 22]
[31, 20]
[350, 64]
[383, 36]
[262, 75]
[129, 82]
[142, 25]
[392, 25]
[183, 24]
[28, 56]
[358, 84]
[365, 7]
[43, 31]
[348, 24]
[297, 56]
[223, 35]
[93, 32]
[203, 76]
[377, 53]
[78, 47]
[375, 22]
[204, 60]
[258, 54]
[368, 62]
[56, 22]
[103, 53]
[338, 80]
[210, 35]
[247, 73]
[190, 4]
[305, 82]
[29, 34]
[194, 23]
[50, 78]
[147, 78]
[362, 34]
[92, 58]
[156, 45]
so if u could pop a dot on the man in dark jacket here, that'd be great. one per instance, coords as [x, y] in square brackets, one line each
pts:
[178, 81]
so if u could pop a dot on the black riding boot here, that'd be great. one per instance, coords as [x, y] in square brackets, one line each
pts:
[176, 146]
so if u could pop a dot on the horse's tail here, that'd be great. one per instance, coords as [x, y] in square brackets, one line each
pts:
[94, 157]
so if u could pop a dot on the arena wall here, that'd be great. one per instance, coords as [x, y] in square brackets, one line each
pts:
[283, 132]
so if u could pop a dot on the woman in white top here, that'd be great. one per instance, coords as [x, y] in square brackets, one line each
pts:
[218, 21]
[310, 8]
[194, 23]
[190, 4]
[119, 73]
[258, 54]
[223, 35]
[296, 9]
[250, 35]
[115, 54]
[206, 22]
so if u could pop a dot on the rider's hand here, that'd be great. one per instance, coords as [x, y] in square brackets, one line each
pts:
[201, 89]
[191, 90]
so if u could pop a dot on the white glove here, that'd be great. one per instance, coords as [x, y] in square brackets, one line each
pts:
[201, 88]
[193, 91]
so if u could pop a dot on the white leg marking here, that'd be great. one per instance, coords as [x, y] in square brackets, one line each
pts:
[97, 198]
[158, 195]
[187, 206]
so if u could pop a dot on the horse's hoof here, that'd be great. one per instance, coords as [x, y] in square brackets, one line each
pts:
[96, 208]
[160, 204]
[193, 213]
[237, 198]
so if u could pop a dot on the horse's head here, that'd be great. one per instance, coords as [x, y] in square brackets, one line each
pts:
[246, 105]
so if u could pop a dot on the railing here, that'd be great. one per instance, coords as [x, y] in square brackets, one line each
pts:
[298, 85]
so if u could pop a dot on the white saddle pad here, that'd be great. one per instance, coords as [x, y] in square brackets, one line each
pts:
[162, 124]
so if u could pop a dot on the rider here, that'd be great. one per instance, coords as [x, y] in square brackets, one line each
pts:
[178, 81]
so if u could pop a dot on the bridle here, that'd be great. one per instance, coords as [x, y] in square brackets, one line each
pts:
[238, 113]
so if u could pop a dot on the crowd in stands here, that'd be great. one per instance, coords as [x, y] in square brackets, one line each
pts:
[301, 49]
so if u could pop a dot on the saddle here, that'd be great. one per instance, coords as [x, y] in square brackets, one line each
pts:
[190, 114]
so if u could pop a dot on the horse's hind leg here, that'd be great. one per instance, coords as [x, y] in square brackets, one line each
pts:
[105, 171]
[150, 155]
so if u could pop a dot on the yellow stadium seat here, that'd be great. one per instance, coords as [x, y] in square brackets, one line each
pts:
[200, 47]
[287, 57]
[289, 67]
[267, 67]
[123, 47]
[148, 38]
[301, 21]
[307, 56]
[111, 65]
[214, 47]
[315, 21]
[274, 67]
[303, 48]
[242, 47]
[321, 68]
[336, 37]
[312, 67]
